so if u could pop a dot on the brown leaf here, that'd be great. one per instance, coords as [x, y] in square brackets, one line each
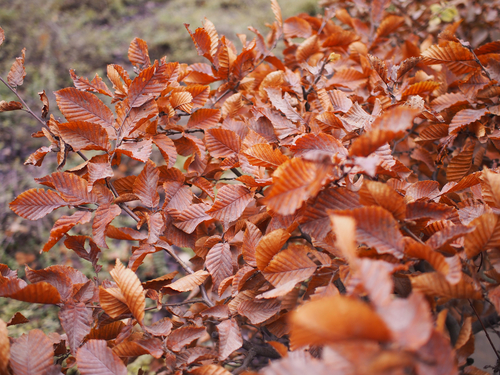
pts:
[490, 188]
[72, 188]
[251, 238]
[162, 327]
[296, 27]
[189, 282]
[83, 84]
[132, 290]
[17, 71]
[37, 293]
[34, 204]
[32, 353]
[230, 338]
[347, 319]
[465, 117]
[77, 244]
[77, 105]
[380, 194]
[461, 163]
[457, 58]
[486, 235]
[167, 148]
[184, 336]
[269, 246]
[230, 203]
[259, 311]
[290, 265]
[434, 284]
[152, 346]
[204, 118]
[376, 227]
[428, 210]
[94, 357]
[189, 219]
[18, 318]
[219, 263]
[145, 185]
[147, 85]
[63, 225]
[316, 146]
[76, 320]
[10, 106]
[104, 215]
[222, 143]
[282, 104]
[81, 135]
[138, 53]
[297, 181]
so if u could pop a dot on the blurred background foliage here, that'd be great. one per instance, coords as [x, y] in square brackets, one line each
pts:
[86, 36]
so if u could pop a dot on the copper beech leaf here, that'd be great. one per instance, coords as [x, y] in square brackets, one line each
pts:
[112, 301]
[209, 370]
[63, 225]
[290, 265]
[17, 71]
[132, 290]
[222, 142]
[263, 155]
[94, 357]
[219, 263]
[230, 338]
[41, 292]
[259, 311]
[184, 336]
[269, 246]
[138, 53]
[376, 227]
[32, 353]
[230, 202]
[145, 185]
[82, 135]
[189, 282]
[104, 215]
[347, 319]
[152, 346]
[293, 183]
[485, 235]
[76, 320]
[73, 189]
[78, 105]
[34, 204]
[434, 284]
[251, 238]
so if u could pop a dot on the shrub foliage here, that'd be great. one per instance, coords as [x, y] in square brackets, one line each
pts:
[341, 202]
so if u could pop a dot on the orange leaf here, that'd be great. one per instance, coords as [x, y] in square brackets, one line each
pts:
[457, 58]
[34, 204]
[347, 319]
[81, 135]
[72, 188]
[97, 84]
[269, 246]
[210, 370]
[222, 143]
[138, 53]
[297, 181]
[314, 147]
[204, 118]
[63, 225]
[189, 282]
[4, 347]
[263, 155]
[147, 85]
[37, 293]
[112, 302]
[434, 284]
[77, 105]
[94, 357]
[188, 219]
[145, 185]
[132, 290]
[10, 106]
[136, 348]
[251, 238]
[290, 265]
[376, 227]
[167, 148]
[380, 194]
[486, 235]
[230, 203]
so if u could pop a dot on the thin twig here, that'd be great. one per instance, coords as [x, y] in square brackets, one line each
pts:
[196, 300]
[248, 359]
[484, 329]
[236, 172]
[28, 109]
[478, 62]
[316, 79]
[412, 235]
[123, 206]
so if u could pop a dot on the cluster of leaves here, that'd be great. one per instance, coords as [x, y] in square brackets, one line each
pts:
[342, 204]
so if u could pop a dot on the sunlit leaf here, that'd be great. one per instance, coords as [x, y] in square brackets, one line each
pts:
[34, 204]
[63, 225]
[230, 202]
[132, 290]
[189, 282]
